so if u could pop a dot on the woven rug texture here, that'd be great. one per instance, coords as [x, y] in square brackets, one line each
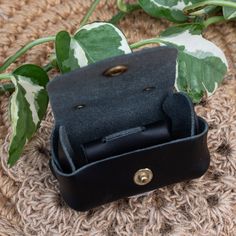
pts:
[30, 203]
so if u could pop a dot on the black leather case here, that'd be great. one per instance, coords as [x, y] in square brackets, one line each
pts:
[109, 128]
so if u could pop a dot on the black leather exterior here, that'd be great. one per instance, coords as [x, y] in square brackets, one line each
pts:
[110, 179]
[161, 132]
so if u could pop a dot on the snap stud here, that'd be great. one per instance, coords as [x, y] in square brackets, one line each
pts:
[147, 89]
[115, 71]
[80, 106]
[143, 176]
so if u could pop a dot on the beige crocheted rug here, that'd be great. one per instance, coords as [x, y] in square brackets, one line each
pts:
[30, 203]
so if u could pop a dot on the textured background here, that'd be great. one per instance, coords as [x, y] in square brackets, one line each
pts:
[29, 200]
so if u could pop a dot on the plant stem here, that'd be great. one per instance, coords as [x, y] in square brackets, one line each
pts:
[122, 6]
[52, 63]
[89, 13]
[124, 10]
[127, 8]
[48, 67]
[200, 5]
[23, 50]
[5, 76]
[8, 87]
[116, 18]
[206, 11]
[213, 20]
[145, 42]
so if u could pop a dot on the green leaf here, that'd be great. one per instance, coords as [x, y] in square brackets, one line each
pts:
[66, 59]
[27, 107]
[91, 43]
[171, 10]
[229, 12]
[201, 65]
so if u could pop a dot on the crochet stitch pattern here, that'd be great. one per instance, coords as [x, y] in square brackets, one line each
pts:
[30, 203]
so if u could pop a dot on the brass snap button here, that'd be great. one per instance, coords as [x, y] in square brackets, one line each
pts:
[143, 176]
[115, 71]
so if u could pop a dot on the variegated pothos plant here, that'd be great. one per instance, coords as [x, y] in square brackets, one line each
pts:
[200, 66]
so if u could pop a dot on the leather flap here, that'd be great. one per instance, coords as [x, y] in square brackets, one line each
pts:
[91, 105]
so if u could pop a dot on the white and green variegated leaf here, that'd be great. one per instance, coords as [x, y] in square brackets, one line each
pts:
[91, 43]
[171, 10]
[27, 107]
[229, 12]
[201, 65]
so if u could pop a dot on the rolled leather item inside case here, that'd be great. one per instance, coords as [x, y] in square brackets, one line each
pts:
[126, 141]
